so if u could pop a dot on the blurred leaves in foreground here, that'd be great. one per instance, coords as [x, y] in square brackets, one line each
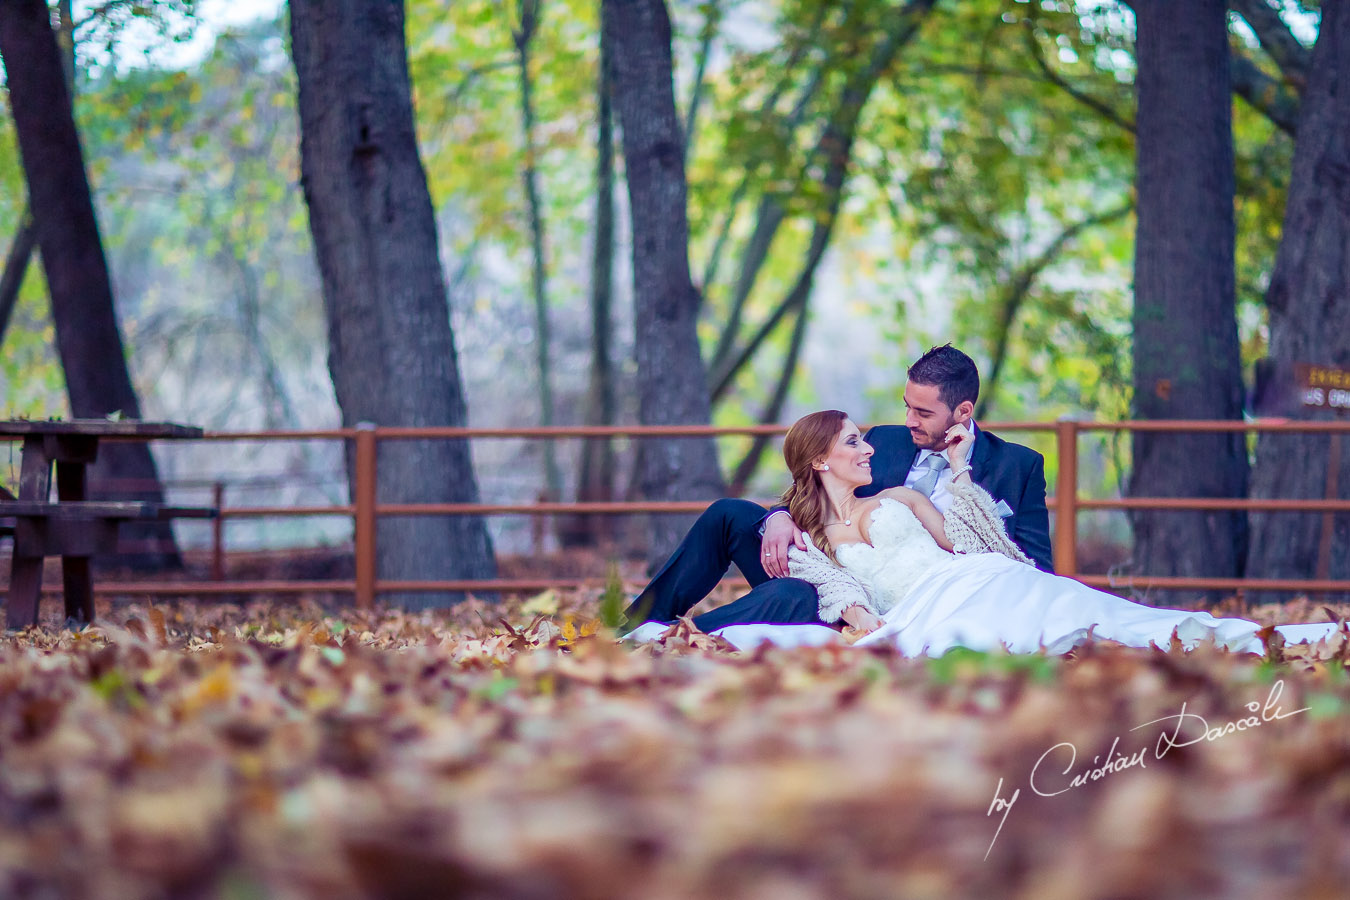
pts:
[226, 751]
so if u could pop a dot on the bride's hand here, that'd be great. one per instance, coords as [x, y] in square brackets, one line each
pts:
[959, 442]
[861, 619]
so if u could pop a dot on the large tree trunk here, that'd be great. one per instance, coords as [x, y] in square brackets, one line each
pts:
[1309, 304]
[88, 340]
[672, 382]
[391, 353]
[1186, 361]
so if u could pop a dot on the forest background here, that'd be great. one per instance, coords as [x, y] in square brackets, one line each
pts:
[865, 179]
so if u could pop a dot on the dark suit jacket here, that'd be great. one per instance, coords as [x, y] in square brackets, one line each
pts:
[1010, 472]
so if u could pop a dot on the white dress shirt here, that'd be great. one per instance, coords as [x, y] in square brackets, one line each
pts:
[942, 495]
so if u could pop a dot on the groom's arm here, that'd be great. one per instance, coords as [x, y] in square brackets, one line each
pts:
[778, 533]
[1030, 527]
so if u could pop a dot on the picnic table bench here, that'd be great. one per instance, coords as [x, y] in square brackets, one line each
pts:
[72, 526]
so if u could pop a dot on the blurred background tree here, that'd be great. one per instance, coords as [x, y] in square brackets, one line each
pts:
[61, 224]
[865, 178]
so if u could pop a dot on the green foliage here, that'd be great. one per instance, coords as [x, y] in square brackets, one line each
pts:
[992, 163]
[613, 600]
[107, 32]
[30, 375]
[466, 91]
[1002, 126]
[963, 665]
[206, 226]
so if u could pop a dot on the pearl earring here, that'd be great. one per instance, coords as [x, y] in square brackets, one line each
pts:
[825, 468]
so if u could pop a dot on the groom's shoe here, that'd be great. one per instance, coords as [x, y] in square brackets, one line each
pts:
[648, 631]
[635, 619]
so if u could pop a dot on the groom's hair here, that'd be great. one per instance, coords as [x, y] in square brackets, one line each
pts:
[951, 372]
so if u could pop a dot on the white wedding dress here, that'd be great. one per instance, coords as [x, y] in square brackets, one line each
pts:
[930, 601]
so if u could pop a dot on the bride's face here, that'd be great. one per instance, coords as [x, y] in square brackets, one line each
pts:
[850, 458]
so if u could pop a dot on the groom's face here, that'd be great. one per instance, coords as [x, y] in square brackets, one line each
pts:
[928, 418]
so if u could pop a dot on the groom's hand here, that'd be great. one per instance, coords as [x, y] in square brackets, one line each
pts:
[780, 532]
[959, 441]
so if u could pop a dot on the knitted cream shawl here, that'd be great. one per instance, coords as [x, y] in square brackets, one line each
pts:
[971, 524]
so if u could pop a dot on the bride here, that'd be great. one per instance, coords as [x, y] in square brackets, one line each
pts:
[894, 567]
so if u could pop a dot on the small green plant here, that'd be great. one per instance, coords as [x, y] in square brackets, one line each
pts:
[612, 600]
[964, 663]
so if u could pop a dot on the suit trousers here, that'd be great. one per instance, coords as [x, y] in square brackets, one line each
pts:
[726, 532]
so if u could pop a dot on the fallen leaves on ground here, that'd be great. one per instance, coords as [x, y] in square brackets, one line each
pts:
[519, 751]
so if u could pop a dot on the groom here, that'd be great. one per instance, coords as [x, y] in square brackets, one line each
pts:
[941, 392]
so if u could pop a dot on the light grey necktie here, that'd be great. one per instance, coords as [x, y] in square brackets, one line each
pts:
[936, 462]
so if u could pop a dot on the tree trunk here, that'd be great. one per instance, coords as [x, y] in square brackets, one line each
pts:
[1186, 361]
[391, 350]
[595, 481]
[1309, 294]
[88, 340]
[16, 268]
[672, 382]
[529, 24]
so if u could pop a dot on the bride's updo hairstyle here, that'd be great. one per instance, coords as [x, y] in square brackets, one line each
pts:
[808, 441]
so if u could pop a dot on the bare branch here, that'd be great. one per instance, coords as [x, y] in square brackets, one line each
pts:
[749, 463]
[100, 12]
[1276, 39]
[529, 23]
[1020, 288]
[710, 21]
[1094, 103]
[838, 141]
[766, 111]
[1275, 100]
[16, 266]
[471, 78]
[832, 154]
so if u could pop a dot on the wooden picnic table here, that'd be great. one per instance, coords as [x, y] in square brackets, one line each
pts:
[72, 526]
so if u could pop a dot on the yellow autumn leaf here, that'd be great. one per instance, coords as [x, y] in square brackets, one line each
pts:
[542, 604]
[216, 687]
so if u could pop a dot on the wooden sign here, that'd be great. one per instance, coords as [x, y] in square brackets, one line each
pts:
[1322, 387]
[1300, 389]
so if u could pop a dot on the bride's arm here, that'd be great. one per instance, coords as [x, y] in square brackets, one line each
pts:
[861, 618]
[842, 596]
[924, 511]
[974, 526]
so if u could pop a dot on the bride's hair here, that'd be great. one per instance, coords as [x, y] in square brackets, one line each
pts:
[809, 440]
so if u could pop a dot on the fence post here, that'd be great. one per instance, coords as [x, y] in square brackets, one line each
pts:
[218, 532]
[1066, 498]
[1329, 518]
[364, 492]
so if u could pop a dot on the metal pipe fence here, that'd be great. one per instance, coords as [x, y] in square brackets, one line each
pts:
[365, 509]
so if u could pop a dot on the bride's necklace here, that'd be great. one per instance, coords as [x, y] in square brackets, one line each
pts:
[842, 521]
